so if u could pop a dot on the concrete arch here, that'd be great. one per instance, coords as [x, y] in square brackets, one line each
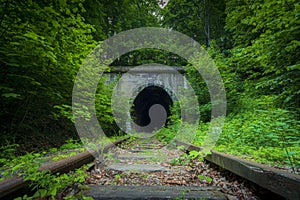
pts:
[140, 88]
[149, 96]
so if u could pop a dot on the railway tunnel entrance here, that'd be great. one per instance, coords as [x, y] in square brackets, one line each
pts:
[147, 106]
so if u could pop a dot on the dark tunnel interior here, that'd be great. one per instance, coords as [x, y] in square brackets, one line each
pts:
[148, 97]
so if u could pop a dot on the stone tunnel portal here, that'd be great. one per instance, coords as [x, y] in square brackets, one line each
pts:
[148, 97]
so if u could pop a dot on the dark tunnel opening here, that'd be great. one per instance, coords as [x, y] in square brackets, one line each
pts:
[148, 97]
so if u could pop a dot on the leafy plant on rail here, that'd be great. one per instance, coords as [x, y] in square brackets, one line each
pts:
[70, 148]
[49, 185]
[43, 183]
[186, 157]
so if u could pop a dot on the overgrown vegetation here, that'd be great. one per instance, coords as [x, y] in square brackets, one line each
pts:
[43, 44]
[256, 49]
[266, 135]
[255, 45]
[43, 183]
[52, 186]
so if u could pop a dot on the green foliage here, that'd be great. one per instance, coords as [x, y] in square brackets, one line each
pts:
[194, 154]
[103, 109]
[207, 178]
[266, 51]
[13, 164]
[256, 129]
[255, 45]
[7, 153]
[42, 45]
[43, 183]
[182, 160]
[202, 20]
[111, 17]
[269, 135]
[167, 134]
[117, 178]
[261, 76]
[181, 147]
[49, 185]
[70, 144]
[17, 165]
[186, 158]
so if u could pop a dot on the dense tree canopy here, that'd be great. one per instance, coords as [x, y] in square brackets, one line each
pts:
[266, 46]
[202, 20]
[42, 46]
[256, 46]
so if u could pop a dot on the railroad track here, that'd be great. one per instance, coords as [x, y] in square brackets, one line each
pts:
[145, 168]
[16, 186]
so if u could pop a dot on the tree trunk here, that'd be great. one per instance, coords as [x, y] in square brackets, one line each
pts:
[206, 23]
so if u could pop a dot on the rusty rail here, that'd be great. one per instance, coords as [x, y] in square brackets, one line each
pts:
[277, 181]
[9, 186]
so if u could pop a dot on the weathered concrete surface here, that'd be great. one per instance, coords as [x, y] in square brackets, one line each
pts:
[124, 69]
[134, 156]
[154, 192]
[138, 167]
[146, 146]
[137, 151]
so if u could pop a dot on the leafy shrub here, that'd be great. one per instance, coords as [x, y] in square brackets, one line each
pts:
[268, 135]
[258, 131]
[43, 183]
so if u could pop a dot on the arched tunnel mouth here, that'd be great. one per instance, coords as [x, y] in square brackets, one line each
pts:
[147, 98]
